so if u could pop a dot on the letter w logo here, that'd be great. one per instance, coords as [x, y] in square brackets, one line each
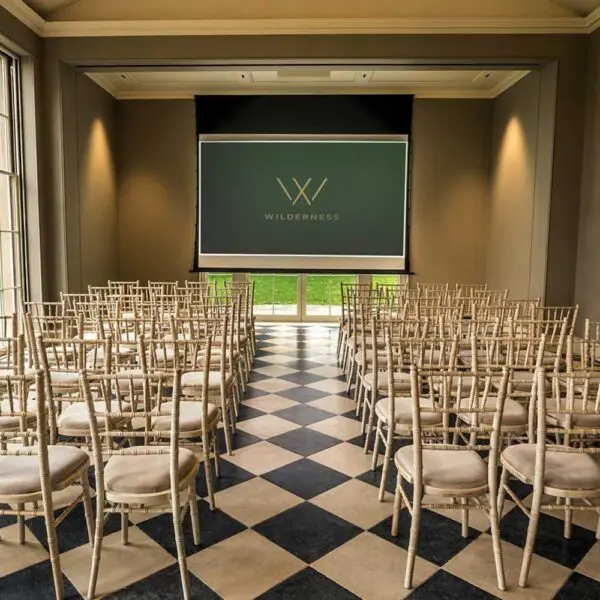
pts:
[301, 191]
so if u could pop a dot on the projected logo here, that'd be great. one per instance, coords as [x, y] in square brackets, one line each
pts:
[297, 192]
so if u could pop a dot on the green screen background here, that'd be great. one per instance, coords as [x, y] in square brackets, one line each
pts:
[360, 210]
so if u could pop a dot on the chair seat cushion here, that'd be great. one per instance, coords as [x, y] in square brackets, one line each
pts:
[129, 473]
[513, 415]
[195, 379]
[445, 469]
[401, 380]
[76, 416]
[9, 423]
[403, 411]
[21, 474]
[62, 379]
[190, 416]
[565, 471]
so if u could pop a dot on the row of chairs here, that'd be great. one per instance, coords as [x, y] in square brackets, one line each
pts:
[487, 382]
[145, 396]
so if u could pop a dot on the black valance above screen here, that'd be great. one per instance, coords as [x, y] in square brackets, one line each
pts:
[300, 114]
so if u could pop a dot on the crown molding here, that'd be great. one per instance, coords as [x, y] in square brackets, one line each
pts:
[592, 21]
[507, 83]
[44, 28]
[240, 27]
[25, 14]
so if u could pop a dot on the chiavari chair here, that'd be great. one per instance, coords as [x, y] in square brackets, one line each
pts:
[31, 472]
[224, 389]
[559, 313]
[454, 474]
[565, 475]
[394, 412]
[153, 474]
[61, 360]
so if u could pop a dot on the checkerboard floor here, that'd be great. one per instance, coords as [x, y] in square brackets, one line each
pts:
[298, 516]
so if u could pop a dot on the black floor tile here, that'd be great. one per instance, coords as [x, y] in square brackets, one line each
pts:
[302, 378]
[164, 585]
[303, 394]
[374, 478]
[304, 441]
[230, 475]
[549, 541]
[306, 478]
[248, 412]
[215, 526]
[34, 582]
[445, 586]
[303, 415]
[439, 539]
[308, 585]
[307, 531]
[240, 439]
[302, 364]
[579, 587]
[72, 532]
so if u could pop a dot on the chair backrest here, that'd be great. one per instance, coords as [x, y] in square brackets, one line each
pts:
[559, 313]
[124, 398]
[560, 406]
[16, 405]
[125, 288]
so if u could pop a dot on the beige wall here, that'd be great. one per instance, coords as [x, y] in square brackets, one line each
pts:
[512, 192]
[568, 51]
[157, 189]
[449, 190]
[97, 182]
[587, 290]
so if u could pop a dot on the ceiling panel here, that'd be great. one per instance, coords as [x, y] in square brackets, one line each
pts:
[46, 7]
[425, 83]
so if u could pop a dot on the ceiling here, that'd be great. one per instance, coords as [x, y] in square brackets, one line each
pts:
[55, 18]
[429, 83]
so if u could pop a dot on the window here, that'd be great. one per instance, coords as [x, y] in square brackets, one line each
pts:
[12, 249]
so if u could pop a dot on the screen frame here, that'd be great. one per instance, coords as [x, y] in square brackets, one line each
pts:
[363, 263]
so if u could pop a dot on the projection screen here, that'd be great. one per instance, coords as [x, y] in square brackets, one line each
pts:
[304, 203]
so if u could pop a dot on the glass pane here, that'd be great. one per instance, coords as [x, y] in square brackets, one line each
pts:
[220, 278]
[323, 294]
[384, 280]
[4, 87]
[285, 301]
[5, 144]
[5, 203]
[275, 294]
[263, 294]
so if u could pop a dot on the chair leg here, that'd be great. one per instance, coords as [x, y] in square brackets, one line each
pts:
[415, 526]
[87, 507]
[370, 422]
[194, 514]
[359, 385]
[534, 517]
[464, 521]
[397, 508]
[124, 528]
[181, 558]
[502, 491]
[568, 518]
[97, 548]
[217, 453]
[495, 506]
[227, 429]
[351, 377]
[54, 553]
[208, 470]
[21, 525]
[389, 443]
